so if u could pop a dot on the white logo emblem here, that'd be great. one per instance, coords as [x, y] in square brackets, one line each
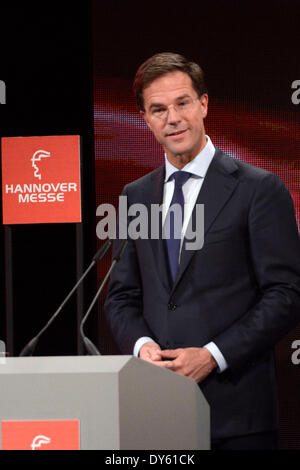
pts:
[39, 440]
[37, 158]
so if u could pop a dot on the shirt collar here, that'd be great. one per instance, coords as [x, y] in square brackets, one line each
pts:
[198, 166]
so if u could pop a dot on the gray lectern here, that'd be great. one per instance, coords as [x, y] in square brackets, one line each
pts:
[121, 402]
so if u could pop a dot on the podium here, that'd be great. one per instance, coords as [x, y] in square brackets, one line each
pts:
[119, 402]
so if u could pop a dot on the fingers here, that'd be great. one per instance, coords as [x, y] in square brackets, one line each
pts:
[178, 360]
[164, 364]
[150, 350]
[171, 353]
[166, 358]
[155, 355]
[190, 362]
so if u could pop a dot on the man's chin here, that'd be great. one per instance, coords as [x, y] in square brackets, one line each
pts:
[179, 152]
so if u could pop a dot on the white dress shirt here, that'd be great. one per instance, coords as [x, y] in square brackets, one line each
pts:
[198, 167]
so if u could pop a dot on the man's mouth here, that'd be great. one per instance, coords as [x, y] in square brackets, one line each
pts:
[176, 133]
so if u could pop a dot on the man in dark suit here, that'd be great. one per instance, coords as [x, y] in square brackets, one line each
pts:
[213, 314]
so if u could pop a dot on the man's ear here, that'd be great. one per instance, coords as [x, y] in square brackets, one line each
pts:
[204, 104]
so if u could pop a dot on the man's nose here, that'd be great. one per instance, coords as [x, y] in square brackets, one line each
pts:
[173, 115]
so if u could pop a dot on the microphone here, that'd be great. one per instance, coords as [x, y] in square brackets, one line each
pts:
[91, 348]
[29, 348]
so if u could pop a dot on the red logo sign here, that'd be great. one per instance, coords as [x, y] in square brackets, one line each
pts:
[40, 435]
[41, 179]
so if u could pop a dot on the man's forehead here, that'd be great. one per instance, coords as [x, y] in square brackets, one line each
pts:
[171, 85]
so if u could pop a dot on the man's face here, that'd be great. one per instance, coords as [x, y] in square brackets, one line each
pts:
[181, 132]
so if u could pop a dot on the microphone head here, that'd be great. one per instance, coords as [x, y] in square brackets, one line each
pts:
[102, 251]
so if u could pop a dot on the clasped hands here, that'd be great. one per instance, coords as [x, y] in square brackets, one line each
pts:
[196, 363]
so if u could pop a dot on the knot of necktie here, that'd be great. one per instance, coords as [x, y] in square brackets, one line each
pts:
[180, 177]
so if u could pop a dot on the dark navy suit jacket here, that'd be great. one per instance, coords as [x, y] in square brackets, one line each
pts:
[241, 290]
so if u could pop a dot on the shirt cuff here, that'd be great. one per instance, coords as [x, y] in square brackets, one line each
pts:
[218, 356]
[140, 342]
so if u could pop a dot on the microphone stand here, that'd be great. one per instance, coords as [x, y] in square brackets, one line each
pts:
[29, 348]
[91, 348]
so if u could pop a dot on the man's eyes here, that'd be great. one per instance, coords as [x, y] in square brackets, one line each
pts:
[158, 110]
[183, 103]
[180, 104]
[161, 111]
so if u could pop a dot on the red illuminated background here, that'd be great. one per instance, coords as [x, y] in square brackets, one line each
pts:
[126, 149]
[250, 58]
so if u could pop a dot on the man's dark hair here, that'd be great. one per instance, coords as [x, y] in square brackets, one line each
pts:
[161, 64]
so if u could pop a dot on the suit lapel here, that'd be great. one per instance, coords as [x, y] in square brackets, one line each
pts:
[218, 185]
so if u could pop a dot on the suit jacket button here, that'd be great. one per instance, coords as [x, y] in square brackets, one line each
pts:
[172, 306]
